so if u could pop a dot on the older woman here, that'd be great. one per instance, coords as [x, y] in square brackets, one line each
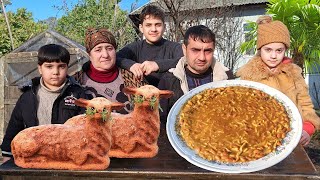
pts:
[100, 76]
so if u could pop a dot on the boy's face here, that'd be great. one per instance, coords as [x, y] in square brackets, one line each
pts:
[199, 55]
[272, 54]
[152, 28]
[53, 74]
[103, 56]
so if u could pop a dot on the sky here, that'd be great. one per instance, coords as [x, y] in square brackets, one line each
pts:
[43, 9]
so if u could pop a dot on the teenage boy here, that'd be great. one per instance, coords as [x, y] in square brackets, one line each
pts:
[153, 55]
[48, 99]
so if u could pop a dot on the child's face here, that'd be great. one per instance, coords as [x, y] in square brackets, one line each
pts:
[272, 54]
[103, 56]
[53, 74]
[152, 29]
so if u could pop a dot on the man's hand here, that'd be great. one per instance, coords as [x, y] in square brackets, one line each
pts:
[149, 67]
[137, 71]
[305, 138]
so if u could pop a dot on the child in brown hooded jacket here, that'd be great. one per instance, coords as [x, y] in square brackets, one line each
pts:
[270, 66]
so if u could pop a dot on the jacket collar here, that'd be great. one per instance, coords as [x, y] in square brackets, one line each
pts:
[257, 70]
[35, 82]
[219, 72]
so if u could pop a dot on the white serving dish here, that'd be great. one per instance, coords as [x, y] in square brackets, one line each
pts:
[287, 146]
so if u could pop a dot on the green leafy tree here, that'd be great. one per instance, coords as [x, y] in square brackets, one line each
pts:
[22, 26]
[96, 13]
[302, 17]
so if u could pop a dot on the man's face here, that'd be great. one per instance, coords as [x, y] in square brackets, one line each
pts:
[53, 74]
[152, 29]
[199, 55]
[103, 56]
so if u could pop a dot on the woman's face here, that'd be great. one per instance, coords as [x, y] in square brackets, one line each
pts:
[272, 54]
[103, 56]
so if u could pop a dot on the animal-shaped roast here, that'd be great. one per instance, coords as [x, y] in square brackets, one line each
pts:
[83, 145]
[135, 135]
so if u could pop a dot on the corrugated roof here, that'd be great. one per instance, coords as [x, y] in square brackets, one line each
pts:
[200, 4]
[47, 37]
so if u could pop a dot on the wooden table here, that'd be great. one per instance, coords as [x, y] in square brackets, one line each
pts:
[169, 165]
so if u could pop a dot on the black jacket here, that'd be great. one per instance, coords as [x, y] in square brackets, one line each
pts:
[24, 114]
[172, 83]
[165, 53]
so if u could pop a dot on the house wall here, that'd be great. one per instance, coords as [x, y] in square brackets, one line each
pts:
[313, 81]
[248, 14]
[241, 14]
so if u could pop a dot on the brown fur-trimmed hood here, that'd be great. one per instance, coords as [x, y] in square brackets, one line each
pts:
[256, 70]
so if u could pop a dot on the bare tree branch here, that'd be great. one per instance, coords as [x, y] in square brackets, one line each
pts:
[222, 20]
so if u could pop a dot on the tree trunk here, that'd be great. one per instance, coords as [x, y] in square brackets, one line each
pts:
[298, 59]
[8, 25]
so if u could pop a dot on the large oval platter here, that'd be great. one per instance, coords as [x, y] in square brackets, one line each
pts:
[287, 145]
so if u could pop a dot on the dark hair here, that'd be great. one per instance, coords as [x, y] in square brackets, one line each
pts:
[153, 11]
[199, 32]
[53, 53]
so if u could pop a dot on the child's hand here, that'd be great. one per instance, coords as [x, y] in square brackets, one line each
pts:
[149, 67]
[305, 138]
